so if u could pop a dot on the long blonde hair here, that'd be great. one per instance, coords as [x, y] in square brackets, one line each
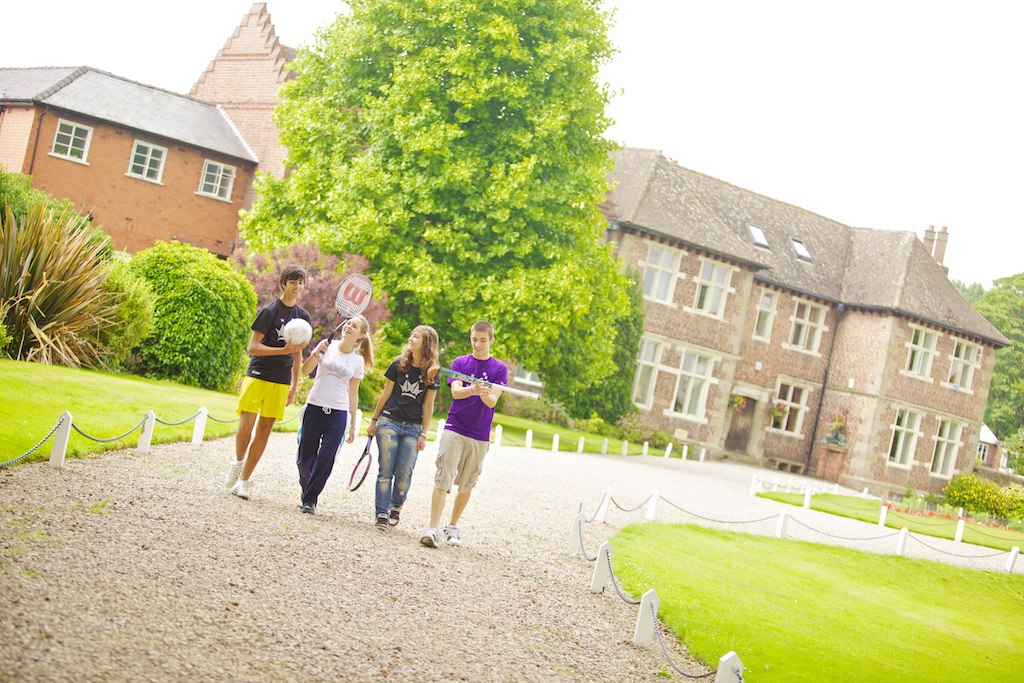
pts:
[429, 351]
[364, 345]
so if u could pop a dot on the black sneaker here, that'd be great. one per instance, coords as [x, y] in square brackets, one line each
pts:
[382, 521]
[393, 517]
[308, 509]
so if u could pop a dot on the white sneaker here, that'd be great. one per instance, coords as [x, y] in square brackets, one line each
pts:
[236, 469]
[242, 489]
[451, 534]
[429, 538]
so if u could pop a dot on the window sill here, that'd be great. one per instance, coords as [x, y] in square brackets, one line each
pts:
[213, 196]
[142, 177]
[783, 432]
[685, 418]
[704, 314]
[800, 349]
[919, 378]
[897, 466]
[955, 389]
[83, 162]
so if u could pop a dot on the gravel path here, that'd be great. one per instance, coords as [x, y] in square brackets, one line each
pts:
[143, 567]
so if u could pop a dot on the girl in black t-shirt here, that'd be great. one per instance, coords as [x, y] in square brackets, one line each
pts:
[401, 418]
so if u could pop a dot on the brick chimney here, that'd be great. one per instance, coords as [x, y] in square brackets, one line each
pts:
[941, 238]
[929, 240]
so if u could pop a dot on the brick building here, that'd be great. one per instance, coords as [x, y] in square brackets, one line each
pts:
[750, 297]
[146, 163]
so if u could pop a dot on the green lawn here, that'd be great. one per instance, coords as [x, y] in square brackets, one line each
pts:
[514, 434]
[869, 511]
[103, 405]
[799, 612]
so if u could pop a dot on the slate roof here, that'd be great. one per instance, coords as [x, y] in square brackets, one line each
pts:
[859, 267]
[119, 101]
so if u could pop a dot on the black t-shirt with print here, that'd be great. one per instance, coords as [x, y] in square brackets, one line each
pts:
[270, 322]
[406, 400]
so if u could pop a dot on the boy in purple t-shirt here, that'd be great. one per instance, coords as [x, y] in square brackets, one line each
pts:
[467, 433]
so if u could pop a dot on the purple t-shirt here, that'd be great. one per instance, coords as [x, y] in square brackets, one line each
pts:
[471, 417]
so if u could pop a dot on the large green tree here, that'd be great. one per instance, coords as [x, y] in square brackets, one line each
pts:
[458, 145]
[1003, 305]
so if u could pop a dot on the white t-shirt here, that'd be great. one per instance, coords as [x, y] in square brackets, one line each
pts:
[335, 370]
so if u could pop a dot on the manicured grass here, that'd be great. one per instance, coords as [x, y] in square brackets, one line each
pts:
[514, 434]
[103, 405]
[799, 612]
[869, 511]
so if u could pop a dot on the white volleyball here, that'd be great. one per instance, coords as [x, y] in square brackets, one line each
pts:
[297, 331]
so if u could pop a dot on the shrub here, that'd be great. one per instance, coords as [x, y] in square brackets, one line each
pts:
[540, 410]
[976, 495]
[133, 317]
[16, 192]
[203, 316]
[1014, 495]
[5, 338]
[52, 301]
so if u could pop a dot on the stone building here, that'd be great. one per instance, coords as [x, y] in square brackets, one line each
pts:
[809, 322]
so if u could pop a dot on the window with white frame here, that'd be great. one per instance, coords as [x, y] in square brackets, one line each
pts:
[947, 443]
[904, 437]
[758, 234]
[982, 451]
[217, 181]
[765, 315]
[660, 273]
[921, 350]
[147, 161]
[808, 320]
[801, 250]
[712, 288]
[528, 377]
[71, 141]
[962, 361]
[647, 361]
[692, 385]
[793, 399]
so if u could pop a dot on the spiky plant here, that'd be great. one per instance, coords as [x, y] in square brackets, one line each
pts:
[51, 296]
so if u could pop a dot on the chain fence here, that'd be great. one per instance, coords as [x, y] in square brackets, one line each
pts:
[35, 448]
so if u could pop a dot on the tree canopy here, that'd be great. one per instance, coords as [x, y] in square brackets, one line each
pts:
[458, 146]
[1003, 305]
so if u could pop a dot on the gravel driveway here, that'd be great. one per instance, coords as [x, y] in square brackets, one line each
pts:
[143, 567]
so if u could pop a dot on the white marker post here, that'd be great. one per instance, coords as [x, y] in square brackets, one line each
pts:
[199, 428]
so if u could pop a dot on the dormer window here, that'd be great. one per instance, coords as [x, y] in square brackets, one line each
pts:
[801, 250]
[758, 234]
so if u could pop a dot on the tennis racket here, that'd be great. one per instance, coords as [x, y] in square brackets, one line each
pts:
[354, 295]
[362, 467]
[469, 379]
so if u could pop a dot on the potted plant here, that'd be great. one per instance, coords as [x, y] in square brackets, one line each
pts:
[836, 430]
[737, 403]
[778, 411]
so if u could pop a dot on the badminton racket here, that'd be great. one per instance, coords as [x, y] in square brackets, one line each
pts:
[469, 379]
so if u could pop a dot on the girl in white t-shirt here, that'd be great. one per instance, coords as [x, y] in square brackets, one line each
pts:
[331, 404]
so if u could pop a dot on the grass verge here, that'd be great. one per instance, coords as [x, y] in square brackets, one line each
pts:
[800, 612]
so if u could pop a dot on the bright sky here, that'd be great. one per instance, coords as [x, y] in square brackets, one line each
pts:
[890, 114]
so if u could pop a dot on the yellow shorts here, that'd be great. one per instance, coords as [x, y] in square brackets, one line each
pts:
[262, 397]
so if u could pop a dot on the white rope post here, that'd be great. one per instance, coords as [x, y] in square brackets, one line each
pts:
[959, 512]
[668, 450]
[529, 438]
[959, 531]
[1014, 552]
[601, 573]
[901, 541]
[864, 493]
[625, 447]
[835, 487]
[604, 447]
[652, 506]
[579, 446]
[780, 527]
[646, 446]
[703, 452]
[498, 431]
[602, 508]
[644, 631]
[755, 485]
[199, 428]
[575, 542]
[882, 515]
[686, 450]
[554, 443]
[730, 669]
[808, 492]
[146, 437]
[59, 447]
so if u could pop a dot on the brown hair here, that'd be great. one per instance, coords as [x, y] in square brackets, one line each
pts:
[429, 364]
[292, 272]
[364, 346]
[483, 326]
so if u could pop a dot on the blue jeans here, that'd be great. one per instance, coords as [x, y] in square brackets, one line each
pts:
[396, 442]
[322, 432]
